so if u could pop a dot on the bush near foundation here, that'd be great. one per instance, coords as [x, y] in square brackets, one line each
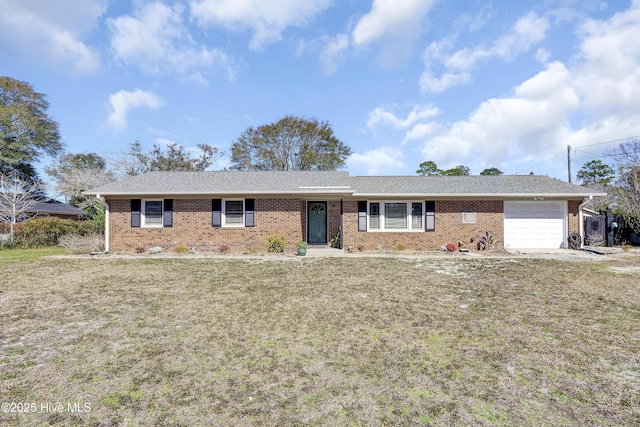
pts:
[276, 243]
[82, 244]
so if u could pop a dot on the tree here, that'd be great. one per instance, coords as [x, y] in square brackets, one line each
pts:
[67, 163]
[460, 170]
[428, 168]
[292, 143]
[596, 172]
[174, 158]
[26, 131]
[491, 172]
[17, 199]
[76, 173]
[627, 188]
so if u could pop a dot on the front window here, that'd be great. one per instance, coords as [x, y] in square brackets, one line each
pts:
[152, 213]
[396, 216]
[233, 213]
[374, 216]
[416, 216]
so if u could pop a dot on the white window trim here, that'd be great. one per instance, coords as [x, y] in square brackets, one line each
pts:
[224, 215]
[143, 217]
[409, 216]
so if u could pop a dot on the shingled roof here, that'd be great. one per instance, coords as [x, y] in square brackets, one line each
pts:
[229, 182]
[49, 206]
[468, 186]
[339, 183]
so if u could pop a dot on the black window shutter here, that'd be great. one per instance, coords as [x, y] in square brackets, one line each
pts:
[167, 213]
[362, 215]
[216, 213]
[430, 217]
[136, 204]
[249, 213]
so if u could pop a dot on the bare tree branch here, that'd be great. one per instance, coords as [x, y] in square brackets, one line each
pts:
[17, 199]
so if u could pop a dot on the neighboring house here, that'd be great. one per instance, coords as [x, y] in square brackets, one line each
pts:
[54, 208]
[240, 209]
[46, 207]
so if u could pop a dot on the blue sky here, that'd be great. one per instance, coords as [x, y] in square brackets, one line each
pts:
[505, 84]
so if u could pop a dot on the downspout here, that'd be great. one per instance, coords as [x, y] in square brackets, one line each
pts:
[106, 225]
[581, 220]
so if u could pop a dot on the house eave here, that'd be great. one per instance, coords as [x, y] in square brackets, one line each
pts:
[481, 196]
[193, 194]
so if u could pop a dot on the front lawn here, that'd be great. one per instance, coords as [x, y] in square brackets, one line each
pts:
[319, 341]
[7, 255]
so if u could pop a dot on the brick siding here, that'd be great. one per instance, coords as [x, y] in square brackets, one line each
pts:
[573, 224]
[192, 226]
[448, 227]
[287, 216]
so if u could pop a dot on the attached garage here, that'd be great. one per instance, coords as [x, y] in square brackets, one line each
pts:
[535, 224]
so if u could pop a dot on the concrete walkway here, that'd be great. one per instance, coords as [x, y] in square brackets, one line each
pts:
[323, 251]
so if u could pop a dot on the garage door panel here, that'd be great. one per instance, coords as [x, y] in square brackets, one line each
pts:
[534, 225]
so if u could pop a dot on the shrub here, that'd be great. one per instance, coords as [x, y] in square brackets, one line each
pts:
[595, 239]
[40, 232]
[224, 248]
[78, 244]
[451, 247]
[276, 243]
[139, 250]
[181, 249]
[401, 247]
[360, 247]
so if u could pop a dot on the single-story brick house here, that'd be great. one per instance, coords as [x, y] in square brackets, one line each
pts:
[240, 209]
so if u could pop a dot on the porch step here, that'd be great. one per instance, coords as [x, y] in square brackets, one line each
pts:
[320, 251]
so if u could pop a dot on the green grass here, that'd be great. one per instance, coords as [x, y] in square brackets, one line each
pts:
[311, 341]
[7, 255]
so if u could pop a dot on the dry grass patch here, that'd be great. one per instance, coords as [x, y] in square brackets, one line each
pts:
[335, 341]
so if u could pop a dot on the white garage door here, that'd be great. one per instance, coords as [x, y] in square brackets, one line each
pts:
[535, 225]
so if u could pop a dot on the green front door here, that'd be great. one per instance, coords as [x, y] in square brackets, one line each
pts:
[317, 222]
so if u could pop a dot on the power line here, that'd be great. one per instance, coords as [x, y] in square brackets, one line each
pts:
[548, 160]
[610, 142]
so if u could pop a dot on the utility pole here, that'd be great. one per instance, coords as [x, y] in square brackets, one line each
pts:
[569, 161]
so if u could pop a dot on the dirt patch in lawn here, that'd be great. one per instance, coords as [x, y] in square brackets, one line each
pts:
[320, 341]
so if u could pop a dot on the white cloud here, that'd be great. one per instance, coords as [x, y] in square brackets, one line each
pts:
[527, 32]
[533, 121]
[266, 18]
[422, 131]
[122, 101]
[396, 22]
[381, 117]
[52, 30]
[430, 83]
[609, 75]
[333, 52]
[597, 99]
[395, 17]
[156, 39]
[377, 161]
